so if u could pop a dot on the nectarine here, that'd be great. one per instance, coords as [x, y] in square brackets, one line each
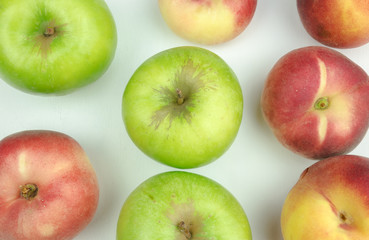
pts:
[336, 23]
[330, 201]
[48, 187]
[207, 21]
[315, 100]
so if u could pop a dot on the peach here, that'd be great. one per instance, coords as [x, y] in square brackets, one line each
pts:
[336, 23]
[315, 101]
[330, 201]
[48, 188]
[207, 21]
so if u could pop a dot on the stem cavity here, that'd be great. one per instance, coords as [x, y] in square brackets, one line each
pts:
[180, 97]
[49, 31]
[345, 218]
[322, 103]
[28, 191]
[184, 229]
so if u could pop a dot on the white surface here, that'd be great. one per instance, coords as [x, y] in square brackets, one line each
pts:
[257, 170]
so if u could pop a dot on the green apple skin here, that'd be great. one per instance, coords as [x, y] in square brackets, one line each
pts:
[185, 135]
[156, 209]
[77, 52]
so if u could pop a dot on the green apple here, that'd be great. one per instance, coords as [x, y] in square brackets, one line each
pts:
[182, 206]
[55, 46]
[183, 107]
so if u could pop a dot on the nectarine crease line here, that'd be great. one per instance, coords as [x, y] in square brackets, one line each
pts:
[323, 76]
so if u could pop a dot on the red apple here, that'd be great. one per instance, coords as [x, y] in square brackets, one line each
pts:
[336, 23]
[316, 102]
[48, 187]
[330, 201]
[207, 21]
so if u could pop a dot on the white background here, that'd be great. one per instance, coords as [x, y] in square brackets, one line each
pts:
[257, 170]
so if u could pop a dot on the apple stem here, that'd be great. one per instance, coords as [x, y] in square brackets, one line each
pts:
[180, 97]
[50, 31]
[184, 229]
[28, 191]
[322, 103]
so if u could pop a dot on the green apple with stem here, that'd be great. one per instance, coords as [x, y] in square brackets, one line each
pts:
[182, 206]
[183, 107]
[55, 46]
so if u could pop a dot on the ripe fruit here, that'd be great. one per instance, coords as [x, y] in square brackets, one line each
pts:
[330, 201]
[314, 100]
[183, 107]
[48, 188]
[208, 21]
[182, 205]
[55, 46]
[336, 23]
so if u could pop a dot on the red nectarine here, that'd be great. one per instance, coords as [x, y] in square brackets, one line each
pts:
[336, 23]
[316, 102]
[48, 187]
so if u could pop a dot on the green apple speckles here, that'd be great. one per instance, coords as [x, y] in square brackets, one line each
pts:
[55, 46]
[183, 107]
[182, 206]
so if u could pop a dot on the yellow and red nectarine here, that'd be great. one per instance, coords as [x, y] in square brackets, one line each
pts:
[207, 21]
[336, 23]
[330, 201]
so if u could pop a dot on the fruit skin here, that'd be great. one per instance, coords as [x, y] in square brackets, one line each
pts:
[78, 52]
[156, 207]
[292, 90]
[336, 23]
[68, 190]
[330, 201]
[185, 135]
[207, 21]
